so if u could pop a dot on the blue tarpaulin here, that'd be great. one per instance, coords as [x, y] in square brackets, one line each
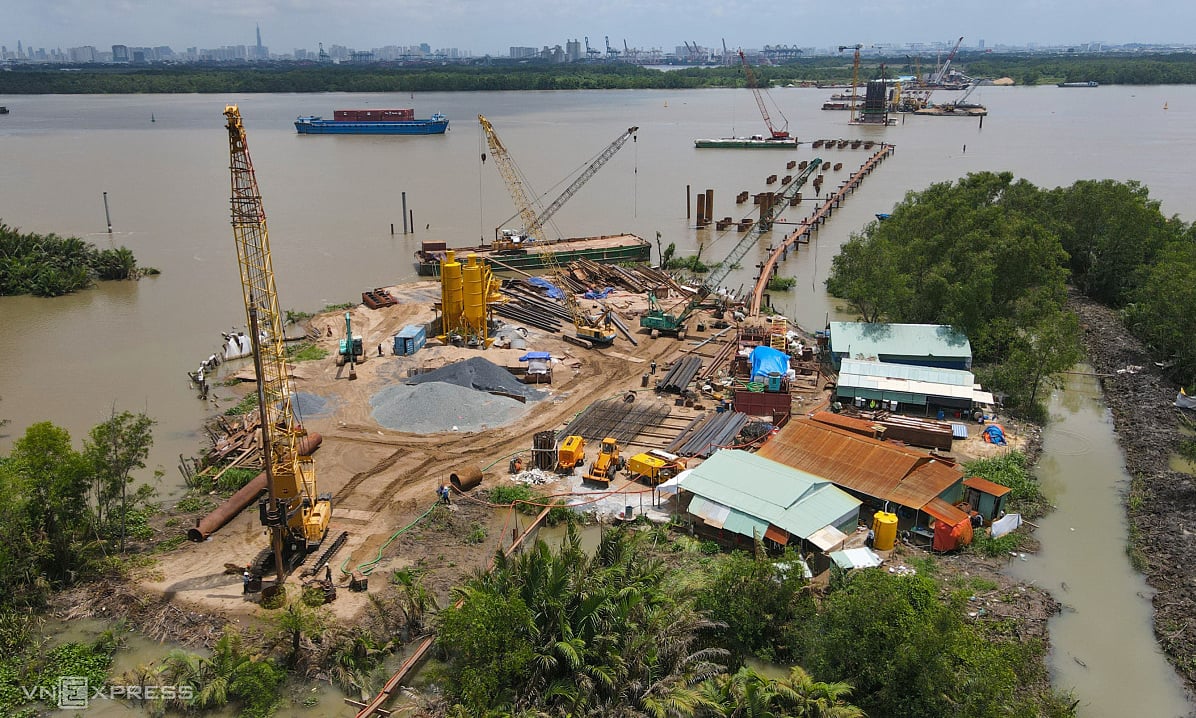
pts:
[535, 355]
[994, 435]
[766, 360]
[595, 294]
[553, 292]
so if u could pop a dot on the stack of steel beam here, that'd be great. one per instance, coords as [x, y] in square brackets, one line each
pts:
[677, 379]
[717, 431]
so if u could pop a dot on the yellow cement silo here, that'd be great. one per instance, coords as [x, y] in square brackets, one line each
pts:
[452, 302]
[475, 286]
[884, 529]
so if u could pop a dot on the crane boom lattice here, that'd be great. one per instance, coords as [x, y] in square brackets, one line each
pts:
[780, 134]
[291, 476]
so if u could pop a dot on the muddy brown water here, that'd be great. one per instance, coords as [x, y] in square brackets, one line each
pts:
[331, 202]
[1102, 642]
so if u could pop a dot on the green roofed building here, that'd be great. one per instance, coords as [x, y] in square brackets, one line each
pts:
[735, 496]
[932, 345]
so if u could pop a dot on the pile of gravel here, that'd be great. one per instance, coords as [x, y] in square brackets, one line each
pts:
[430, 407]
[481, 374]
[308, 404]
[535, 477]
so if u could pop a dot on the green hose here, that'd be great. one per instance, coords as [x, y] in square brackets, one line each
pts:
[374, 563]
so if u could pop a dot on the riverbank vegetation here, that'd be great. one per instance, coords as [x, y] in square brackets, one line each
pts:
[490, 74]
[50, 265]
[993, 257]
[651, 626]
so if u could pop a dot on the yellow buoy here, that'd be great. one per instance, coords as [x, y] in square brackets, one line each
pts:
[884, 528]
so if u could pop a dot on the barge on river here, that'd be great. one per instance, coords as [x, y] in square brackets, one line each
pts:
[753, 142]
[372, 122]
[607, 249]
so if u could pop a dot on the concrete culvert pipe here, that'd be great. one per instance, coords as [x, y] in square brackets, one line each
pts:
[466, 479]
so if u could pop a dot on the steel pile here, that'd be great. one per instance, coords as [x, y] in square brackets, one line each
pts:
[703, 439]
[683, 371]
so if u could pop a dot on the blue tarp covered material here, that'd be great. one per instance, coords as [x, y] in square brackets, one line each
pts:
[553, 292]
[595, 294]
[994, 435]
[766, 360]
[535, 355]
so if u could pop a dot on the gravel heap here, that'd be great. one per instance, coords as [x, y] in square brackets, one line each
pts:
[434, 406]
[481, 374]
[308, 404]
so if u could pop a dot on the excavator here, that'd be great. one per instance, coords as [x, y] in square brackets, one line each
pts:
[590, 330]
[659, 321]
[350, 350]
[294, 512]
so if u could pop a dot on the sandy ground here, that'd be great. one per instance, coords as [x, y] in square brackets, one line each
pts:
[382, 479]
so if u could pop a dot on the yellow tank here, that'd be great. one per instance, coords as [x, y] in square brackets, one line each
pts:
[452, 299]
[884, 526]
[475, 296]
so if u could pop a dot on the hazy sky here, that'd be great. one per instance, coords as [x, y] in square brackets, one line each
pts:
[491, 26]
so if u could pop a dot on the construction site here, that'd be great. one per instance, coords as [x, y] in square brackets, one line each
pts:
[606, 387]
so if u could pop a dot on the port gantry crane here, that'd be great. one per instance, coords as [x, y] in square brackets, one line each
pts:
[781, 134]
[590, 331]
[295, 514]
[508, 242]
[673, 322]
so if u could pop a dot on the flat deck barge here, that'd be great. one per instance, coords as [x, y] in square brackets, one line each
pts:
[607, 249]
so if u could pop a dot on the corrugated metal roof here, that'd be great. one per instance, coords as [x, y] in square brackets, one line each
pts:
[986, 486]
[959, 431]
[863, 427]
[868, 466]
[760, 492]
[856, 374]
[944, 511]
[928, 374]
[861, 339]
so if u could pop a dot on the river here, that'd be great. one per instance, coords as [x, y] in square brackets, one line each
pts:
[331, 202]
[1102, 641]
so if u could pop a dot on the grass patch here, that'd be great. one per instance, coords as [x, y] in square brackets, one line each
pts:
[1187, 449]
[781, 284]
[986, 545]
[337, 307]
[247, 404]
[1011, 470]
[170, 544]
[193, 504]
[306, 352]
[233, 480]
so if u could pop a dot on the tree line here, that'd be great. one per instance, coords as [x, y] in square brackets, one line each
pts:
[993, 257]
[493, 75]
[50, 265]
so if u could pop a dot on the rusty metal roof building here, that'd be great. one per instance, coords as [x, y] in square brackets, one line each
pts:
[865, 466]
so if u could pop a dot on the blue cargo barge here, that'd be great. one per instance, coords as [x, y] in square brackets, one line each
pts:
[372, 122]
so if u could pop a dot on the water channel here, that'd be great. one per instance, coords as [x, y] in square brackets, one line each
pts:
[332, 200]
[1103, 646]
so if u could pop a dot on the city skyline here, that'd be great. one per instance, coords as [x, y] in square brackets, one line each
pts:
[477, 28]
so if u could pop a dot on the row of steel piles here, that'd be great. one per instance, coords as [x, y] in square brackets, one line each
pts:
[679, 375]
[704, 438]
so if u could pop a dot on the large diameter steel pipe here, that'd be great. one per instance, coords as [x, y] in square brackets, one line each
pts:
[236, 503]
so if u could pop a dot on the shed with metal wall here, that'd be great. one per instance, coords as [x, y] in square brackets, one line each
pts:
[933, 345]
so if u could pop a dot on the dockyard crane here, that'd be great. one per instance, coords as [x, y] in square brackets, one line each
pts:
[296, 515]
[590, 170]
[673, 322]
[855, 72]
[942, 71]
[780, 134]
[589, 330]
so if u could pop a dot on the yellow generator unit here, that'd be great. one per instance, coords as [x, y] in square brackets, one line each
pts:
[571, 453]
[656, 466]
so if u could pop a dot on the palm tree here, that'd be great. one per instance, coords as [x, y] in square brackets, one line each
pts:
[747, 694]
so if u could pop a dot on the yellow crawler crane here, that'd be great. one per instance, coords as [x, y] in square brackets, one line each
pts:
[590, 330]
[295, 514]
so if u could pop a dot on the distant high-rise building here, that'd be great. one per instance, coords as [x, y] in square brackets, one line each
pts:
[120, 53]
[425, 48]
[573, 50]
[980, 44]
[519, 52]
